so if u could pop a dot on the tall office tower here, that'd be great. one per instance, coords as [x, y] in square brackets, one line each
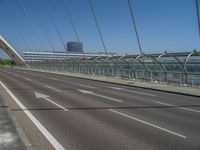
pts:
[75, 47]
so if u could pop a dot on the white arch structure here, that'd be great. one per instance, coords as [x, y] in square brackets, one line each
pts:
[11, 52]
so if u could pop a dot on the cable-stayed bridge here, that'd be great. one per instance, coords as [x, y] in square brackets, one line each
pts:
[77, 99]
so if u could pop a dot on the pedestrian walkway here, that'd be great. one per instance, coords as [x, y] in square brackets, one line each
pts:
[9, 137]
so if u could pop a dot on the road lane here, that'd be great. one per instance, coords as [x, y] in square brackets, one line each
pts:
[140, 99]
[176, 100]
[131, 91]
[135, 99]
[150, 124]
[125, 95]
[93, 114]
[98, 95]
[42, 129]
[167, 97]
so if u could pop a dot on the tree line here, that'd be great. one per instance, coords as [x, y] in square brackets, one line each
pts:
[6, 62]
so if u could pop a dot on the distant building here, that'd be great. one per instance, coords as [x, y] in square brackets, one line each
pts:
[75, 47]
[40, 56]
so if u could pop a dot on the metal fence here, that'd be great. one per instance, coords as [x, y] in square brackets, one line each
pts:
[176, 68]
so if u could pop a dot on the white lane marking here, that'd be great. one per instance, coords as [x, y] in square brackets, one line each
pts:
[106, 97]
[28, 79]
[46, 97]
[150, 124]
[87, 86]
[188, 109]
[52, 88]
[121, 89]
[42, 129]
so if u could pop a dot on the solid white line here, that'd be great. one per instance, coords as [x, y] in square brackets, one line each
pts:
[42, 129]
[50, 87]
[121, 89]
[188, 109]
[150, 124]
[87, 86]
[106, 97]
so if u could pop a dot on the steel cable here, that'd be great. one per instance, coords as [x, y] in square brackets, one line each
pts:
[15, 35]
[134, 26]
[71, 20]
[31, 23]
[98, 28]
[54, 22]
[42, 25]
[21, 35]
[198, 17]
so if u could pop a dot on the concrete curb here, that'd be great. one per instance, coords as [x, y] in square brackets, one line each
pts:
[113, 82]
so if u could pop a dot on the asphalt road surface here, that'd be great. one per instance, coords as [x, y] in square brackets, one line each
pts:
[60, 112]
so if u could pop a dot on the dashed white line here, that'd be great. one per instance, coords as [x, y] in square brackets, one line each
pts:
[109, 98]
[121, 89]
[106, 97]
[184, 108]
[42, 129]
[52, 88]
[150, 124]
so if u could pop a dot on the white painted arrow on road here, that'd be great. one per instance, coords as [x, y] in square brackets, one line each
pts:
[121, 89]
[46, 97]
[106, 97]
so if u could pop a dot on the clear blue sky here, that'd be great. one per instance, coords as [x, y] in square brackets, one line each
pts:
[162, 24]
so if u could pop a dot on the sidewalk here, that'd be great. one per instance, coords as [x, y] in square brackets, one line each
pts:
[186, 90]
[10, 138]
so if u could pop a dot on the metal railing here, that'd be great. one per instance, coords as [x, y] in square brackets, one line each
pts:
[174, 68]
